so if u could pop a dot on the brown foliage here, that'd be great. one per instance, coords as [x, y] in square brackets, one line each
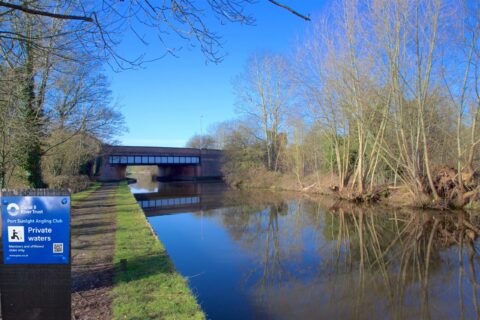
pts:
[451, 192]
[72, 183]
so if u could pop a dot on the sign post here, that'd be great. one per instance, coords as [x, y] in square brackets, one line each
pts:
[36, 270]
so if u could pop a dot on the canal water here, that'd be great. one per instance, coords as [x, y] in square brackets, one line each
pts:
[265, 255]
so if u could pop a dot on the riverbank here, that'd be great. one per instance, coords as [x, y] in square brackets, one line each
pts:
[107, 227]
[326, 185]
[146, 285]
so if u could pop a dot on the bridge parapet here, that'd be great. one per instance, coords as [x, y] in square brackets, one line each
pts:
[152, 160]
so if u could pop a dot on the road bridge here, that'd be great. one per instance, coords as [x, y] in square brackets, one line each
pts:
[172, 163]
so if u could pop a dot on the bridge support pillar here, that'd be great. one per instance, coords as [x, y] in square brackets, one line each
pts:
[108, 172]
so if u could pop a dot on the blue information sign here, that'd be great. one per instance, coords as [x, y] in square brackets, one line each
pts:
[36, 230]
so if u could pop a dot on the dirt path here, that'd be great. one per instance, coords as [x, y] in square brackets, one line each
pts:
[93, 244]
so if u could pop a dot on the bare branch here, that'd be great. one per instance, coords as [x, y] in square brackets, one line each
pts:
[298, 14]
[44, 13]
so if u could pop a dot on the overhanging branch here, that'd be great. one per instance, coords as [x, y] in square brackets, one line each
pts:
[298, 14]
[44, 13]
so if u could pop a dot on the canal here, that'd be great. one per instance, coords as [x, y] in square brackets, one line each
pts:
[264, 255]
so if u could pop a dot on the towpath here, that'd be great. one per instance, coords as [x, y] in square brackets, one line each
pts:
[93, 245]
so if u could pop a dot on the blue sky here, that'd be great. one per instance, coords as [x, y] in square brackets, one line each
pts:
[166, 101]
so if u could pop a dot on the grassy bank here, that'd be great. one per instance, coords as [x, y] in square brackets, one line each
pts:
[86, 193]
[149, 287]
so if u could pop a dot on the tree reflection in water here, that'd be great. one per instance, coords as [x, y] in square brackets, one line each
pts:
[368, 261]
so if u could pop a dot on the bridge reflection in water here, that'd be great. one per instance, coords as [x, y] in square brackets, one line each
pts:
[179, 197]
[165, 203]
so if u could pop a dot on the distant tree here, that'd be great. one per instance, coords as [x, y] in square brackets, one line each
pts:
[264, 93]
[244, 151]
[202, 142]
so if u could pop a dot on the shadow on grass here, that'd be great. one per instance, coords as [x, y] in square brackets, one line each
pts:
[142, 267]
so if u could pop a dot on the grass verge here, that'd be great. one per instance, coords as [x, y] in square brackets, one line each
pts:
[86, 193]
[148, 287]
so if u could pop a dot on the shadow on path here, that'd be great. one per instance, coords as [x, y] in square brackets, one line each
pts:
[93, 245]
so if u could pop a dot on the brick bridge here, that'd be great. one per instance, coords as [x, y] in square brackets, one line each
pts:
[173, 163]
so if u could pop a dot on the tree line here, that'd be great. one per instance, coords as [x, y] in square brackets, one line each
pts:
[55, 104]
[380, 95]
[56, 108]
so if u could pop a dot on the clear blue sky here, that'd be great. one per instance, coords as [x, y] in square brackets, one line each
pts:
[164, 102]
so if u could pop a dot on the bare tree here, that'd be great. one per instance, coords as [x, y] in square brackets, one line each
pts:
[100, 25]
[204, 141]
[263, 96]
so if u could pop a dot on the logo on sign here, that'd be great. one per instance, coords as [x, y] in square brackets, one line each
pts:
[16, 234]
[13, 209]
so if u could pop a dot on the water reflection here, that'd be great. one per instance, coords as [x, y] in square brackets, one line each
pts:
[270, 255]
[145, 179]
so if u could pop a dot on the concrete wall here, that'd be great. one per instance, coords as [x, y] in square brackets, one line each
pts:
[111, 173]
[211, 163]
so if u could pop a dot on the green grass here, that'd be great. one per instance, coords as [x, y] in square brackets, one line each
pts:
[86, 193]
[149, 288]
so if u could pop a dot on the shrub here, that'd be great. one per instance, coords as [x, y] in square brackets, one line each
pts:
[72, 183]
